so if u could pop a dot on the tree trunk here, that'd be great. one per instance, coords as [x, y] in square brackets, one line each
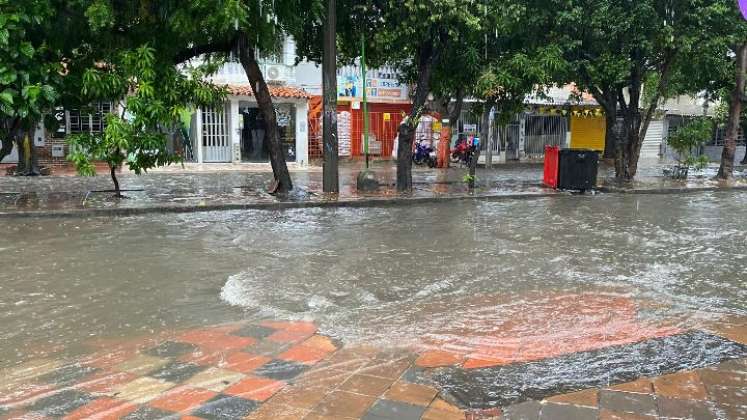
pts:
[626, 156]
[113, 174]
[610, 136]
[406, 131]
[607, 98]
[331, 183]
[726, 170]
[633, 153]
[643, 122]
[451, 111]
[27, 160]
[248, 60]
[34, 170]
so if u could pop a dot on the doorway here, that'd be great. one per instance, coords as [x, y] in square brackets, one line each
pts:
[254, 147]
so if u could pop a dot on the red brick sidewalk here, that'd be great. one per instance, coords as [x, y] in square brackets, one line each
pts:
[286, 370]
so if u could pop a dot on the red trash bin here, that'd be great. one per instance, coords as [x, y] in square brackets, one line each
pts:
[552, 160]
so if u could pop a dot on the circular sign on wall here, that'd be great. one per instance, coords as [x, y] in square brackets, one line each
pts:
[743, 7]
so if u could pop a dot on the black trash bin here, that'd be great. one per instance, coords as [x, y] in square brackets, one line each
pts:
[578, 169]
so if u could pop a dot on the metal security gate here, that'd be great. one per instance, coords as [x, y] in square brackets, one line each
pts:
[216, 143]
[544, 130]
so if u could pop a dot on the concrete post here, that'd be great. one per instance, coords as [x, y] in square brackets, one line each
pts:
[302, 133]
[234, 130]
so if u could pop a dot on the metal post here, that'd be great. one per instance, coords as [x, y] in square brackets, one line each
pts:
[521, 153]
[365, 97]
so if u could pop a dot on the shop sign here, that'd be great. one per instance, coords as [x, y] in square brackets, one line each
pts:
[470, 128]
[350, 86]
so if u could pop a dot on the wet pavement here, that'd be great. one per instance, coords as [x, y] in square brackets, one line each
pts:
[287, 370]
[206, 188]
[565, 306]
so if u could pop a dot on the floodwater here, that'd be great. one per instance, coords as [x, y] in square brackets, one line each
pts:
[400, 276]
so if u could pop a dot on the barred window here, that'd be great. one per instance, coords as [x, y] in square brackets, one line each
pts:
[720, 137]
[91, 119]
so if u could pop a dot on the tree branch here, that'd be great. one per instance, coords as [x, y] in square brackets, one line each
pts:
[456, 110]
[599, 96]
[198, 50]
[666, 73]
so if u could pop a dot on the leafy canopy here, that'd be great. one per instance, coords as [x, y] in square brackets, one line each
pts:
[30, 64]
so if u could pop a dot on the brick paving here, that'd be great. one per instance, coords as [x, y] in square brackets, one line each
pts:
[287, 370]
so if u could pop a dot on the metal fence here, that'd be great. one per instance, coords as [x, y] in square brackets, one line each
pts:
[382, 132]
[543, 130]
[539, 131]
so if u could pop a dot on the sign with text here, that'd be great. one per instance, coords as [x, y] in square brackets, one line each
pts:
[376, 88]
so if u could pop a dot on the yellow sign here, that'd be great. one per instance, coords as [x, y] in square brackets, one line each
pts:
[437, 126]
[387, 116]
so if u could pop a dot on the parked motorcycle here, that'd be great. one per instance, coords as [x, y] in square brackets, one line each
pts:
[463, 151]
[424, 154]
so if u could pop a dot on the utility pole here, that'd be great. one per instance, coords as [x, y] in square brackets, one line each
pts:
[331, 182]
[365, 97]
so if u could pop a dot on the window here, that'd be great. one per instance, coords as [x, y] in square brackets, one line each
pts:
[720, 138]
[82, 122]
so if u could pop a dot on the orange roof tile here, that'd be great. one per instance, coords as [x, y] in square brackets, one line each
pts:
[276, 91]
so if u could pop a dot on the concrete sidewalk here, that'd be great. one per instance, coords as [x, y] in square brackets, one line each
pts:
[226, 188]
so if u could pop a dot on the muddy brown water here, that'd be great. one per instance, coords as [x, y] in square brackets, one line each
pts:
[389, 276]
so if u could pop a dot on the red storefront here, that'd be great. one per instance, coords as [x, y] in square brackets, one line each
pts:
[383, 122]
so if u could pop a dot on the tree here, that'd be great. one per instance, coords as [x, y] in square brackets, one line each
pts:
[214, 32]
[688, 138]
[153, 94]
[614, 47]
[726, 170]
[709, 69]
[511, 75]
[30, 73]
[517, 59]
[413, 36]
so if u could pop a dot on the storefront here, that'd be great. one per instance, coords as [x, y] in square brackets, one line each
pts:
[236, 131]
[588, 129]
[388, 104]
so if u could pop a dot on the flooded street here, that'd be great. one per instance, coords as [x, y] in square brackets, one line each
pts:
[410, 276]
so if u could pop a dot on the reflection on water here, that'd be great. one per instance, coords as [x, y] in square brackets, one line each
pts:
[393, 276]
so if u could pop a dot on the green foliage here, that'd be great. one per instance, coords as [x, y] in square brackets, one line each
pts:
[689, 137]
[708, 68]
[698, 162]
[507, 80]
[153, 95]
[30, 64]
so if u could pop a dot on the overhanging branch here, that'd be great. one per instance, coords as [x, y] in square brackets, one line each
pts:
[198, 50]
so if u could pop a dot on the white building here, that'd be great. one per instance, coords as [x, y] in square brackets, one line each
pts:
[235, 132]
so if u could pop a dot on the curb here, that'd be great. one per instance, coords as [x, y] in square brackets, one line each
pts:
[347, 203]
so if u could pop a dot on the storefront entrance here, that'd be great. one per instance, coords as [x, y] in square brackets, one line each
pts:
[254, 147]
[254, 141]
